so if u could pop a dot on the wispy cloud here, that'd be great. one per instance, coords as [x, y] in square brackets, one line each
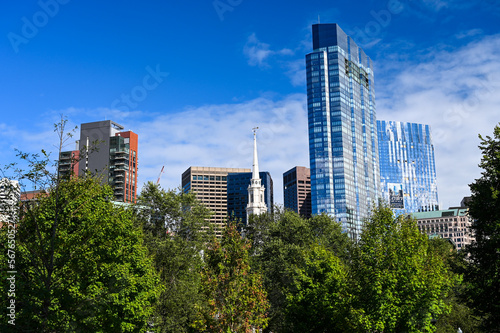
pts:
[258, 52]
[296, 71]
[468, 33]
[436, 4]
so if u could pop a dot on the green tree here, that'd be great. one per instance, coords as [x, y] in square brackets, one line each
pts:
[82, 264]
[401, 283]
[321, 301]
[483, 274]
[176, 232]
[280, 246]
[460, 314]
[236, 298]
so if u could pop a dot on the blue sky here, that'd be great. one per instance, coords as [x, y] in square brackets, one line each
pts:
[193, 78]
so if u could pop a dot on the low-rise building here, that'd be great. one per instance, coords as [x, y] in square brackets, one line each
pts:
[453, 224]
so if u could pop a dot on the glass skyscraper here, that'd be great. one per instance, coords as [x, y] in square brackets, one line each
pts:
[407, 168]
[342, 128]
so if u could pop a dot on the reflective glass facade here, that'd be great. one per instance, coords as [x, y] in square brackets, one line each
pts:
[342, 128]
[407, 168]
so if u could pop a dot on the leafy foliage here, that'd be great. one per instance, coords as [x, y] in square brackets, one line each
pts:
[321, 301]
[82, 264]
[483, 274]
[401, 284]
[281, 245]
[236, 299]
[176, 231]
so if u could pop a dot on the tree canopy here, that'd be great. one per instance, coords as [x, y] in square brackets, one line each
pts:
[175, 232]
[400, 283]
[237, 301]
[483, 273]
[82, 265]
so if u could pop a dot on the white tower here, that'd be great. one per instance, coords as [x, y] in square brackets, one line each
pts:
[256, 204]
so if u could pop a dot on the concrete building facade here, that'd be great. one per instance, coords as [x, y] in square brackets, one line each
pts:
[209, 184]
[106, 150]
[297, 190]
[453, 224]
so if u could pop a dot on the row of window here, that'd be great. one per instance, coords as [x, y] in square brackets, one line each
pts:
[215, 178]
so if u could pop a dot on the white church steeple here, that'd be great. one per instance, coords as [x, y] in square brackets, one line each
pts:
[256, 204]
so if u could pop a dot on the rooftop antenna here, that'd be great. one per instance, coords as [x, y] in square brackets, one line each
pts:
[319, 21]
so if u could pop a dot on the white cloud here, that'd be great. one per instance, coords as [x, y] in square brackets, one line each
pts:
[436, 4]
[468, 33]
[296, 71]
[258, 52]
[457, 93]
[221, 136]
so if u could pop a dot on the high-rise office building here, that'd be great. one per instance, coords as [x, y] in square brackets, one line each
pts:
[342, 128]
[407, 168]
[297, 190]
[108, 151]
[210, 187]
[237, 193]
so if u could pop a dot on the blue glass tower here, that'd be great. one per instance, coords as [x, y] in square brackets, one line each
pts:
[237, 193]
[407, 168]
[343, 147]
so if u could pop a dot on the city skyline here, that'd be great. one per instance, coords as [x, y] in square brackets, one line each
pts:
[435, 62]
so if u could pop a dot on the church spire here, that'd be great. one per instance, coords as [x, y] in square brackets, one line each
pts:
[256, 204]
[255, 168]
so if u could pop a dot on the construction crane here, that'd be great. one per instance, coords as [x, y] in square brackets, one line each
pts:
[159, 176]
